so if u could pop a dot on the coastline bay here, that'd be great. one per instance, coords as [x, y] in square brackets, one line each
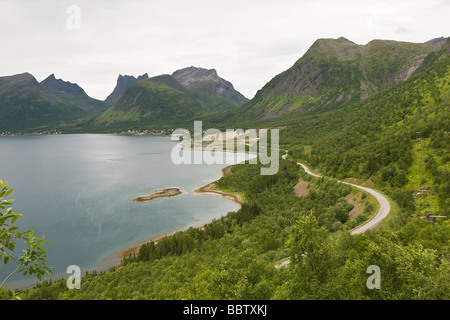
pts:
[77, 190]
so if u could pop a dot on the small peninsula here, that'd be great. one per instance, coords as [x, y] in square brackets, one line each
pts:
[168, 192]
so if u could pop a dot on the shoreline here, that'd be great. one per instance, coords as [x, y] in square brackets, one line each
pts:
[203, 189]
[207, 188]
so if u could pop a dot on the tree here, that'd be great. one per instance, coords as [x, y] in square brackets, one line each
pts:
[309, 252]
[306, 238]
[33, 259]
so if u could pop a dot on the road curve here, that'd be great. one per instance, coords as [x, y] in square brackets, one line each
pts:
[382, 213]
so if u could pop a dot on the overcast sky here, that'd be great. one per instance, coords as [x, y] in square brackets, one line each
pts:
[248, 42]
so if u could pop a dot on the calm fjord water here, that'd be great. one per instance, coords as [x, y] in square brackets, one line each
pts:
[77, 190]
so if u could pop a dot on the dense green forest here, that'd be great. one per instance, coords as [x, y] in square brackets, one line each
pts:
[396, 141]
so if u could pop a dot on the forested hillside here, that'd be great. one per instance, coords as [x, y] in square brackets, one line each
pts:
[398, 138]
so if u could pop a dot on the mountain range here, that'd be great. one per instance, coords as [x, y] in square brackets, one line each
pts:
[170, 100]
[332, 73]
[28, 105]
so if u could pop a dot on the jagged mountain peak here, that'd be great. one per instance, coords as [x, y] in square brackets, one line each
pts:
[126, 76]
[51, 77]
[21, 78]
[141, 77]
[19, 83]
[26, 104]
[123, 82]
[190, 75]
[61, 87]
[340, 48]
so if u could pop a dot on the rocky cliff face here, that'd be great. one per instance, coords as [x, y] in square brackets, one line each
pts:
[123, 82]
[72, 94]
[211, 90]
[62, 88]
[188, 76]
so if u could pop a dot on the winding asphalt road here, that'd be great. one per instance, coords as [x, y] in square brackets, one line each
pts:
[382, 213]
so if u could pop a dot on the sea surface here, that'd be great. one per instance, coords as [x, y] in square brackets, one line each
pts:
[77, 190]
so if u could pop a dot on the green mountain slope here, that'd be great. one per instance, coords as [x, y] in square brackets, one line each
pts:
[26, 105]
[334, 73]
[156, 102]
